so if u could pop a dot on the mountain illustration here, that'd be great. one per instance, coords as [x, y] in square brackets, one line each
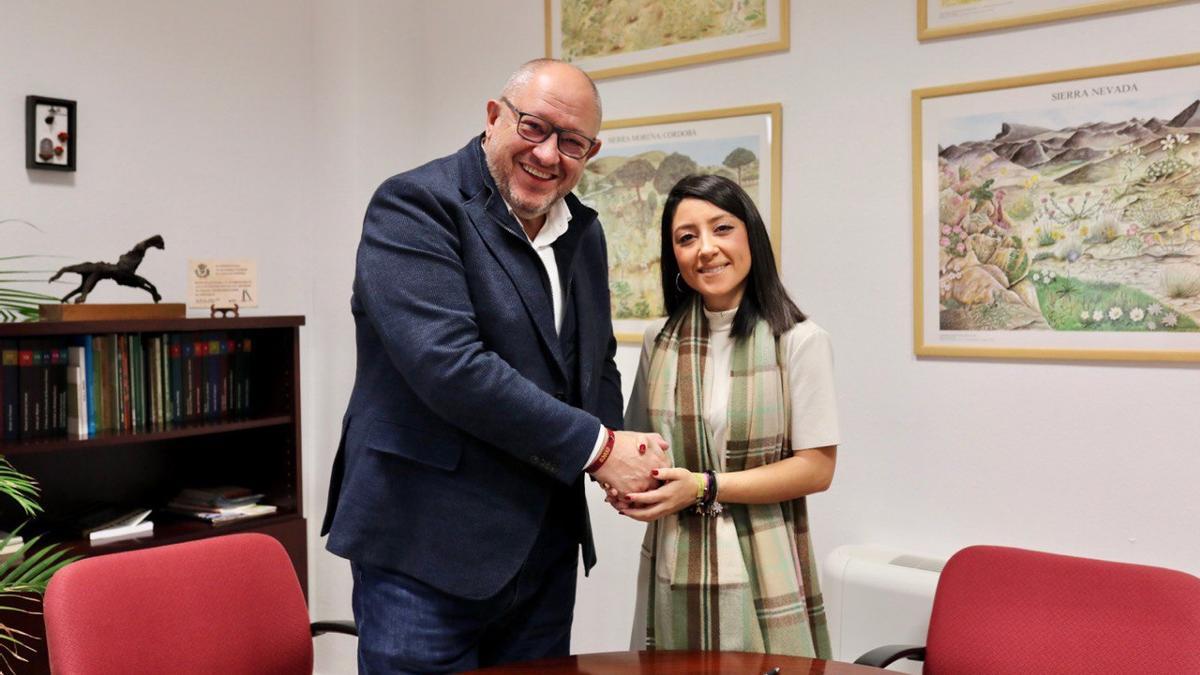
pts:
[1072, 155]
[1190, 117]
[1018, 132]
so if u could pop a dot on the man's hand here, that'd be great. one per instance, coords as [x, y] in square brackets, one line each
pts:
[633, 457]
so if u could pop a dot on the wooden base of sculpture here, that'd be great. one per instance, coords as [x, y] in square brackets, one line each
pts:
[115, 311]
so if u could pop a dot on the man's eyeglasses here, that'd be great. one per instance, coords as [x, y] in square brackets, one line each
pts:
[535, 130]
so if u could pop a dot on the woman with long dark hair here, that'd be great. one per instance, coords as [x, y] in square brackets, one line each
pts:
[740, 383]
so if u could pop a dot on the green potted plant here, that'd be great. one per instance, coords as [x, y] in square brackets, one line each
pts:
[24, 573]
[17, 304]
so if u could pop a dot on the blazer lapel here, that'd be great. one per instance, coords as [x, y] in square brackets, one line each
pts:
[504, 238]
[577, 290]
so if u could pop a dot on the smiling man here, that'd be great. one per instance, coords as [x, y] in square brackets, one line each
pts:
[534, 175]
[485, 390]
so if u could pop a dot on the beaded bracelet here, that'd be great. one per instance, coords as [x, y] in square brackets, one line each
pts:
[708, 504]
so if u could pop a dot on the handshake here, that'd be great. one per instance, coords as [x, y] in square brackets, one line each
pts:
[629, 466]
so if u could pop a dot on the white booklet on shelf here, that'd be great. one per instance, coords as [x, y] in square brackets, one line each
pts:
[126, 524]
[122, 531]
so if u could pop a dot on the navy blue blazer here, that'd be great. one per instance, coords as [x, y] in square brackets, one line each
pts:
[457, 431]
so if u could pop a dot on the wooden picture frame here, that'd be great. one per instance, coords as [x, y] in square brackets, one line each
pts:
[667, 34]
[51, 133]
[977, 16]
[1056, 216]
[640, 159]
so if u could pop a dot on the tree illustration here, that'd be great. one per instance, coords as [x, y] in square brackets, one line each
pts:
[737, 159]
[634, 174]
[674, 167]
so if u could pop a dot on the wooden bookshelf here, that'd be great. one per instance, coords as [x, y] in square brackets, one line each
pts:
[108, 439]
[259, 449]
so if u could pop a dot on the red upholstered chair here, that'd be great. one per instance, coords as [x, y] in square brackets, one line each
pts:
[229, 604]
[1008, 610]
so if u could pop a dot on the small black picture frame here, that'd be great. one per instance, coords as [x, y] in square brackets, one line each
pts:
[51, 133]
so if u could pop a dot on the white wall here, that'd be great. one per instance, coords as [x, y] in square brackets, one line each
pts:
[194, 122]
[260, 130]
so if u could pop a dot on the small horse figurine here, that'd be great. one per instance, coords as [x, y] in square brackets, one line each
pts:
[121, 272]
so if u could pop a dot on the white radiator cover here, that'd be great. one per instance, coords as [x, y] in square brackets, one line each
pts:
[876, 596]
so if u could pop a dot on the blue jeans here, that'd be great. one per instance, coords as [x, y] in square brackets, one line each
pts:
[407, 626]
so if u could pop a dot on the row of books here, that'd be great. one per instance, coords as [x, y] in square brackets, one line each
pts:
[79, 386]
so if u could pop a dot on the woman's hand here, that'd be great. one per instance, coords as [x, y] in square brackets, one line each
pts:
[677, 492]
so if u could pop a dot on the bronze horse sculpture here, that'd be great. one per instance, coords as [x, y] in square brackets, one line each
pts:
[121, 272]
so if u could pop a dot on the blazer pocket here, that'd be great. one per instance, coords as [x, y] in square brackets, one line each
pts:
[422, 446]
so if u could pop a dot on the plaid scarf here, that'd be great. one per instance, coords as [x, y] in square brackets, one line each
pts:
[745, 580]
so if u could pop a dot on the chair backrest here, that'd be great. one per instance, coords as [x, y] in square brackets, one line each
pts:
[1008, 610]
[229, 604]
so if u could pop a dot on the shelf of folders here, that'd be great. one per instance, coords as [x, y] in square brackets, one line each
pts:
[79, 386]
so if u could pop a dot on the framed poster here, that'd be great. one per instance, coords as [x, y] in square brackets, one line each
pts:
[619, 38]
[51, 133]
[1058, 216]
[641, 159]
[943, 18]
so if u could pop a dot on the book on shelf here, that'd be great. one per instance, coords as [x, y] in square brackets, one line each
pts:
[124, 532]
[77, 393]
[133, 357]
[100, 383]
[10, 391]
[91, 391]
[224, 516]
[175, 367]
[30, 386]
[212, 399]
[220, 505]
[114, 522]
[125, 395]
[154, 376]
[52, 389]
[58, 376]
[187, 353]
[243, 513]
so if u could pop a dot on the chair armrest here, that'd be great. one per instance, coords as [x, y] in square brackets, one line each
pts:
[343, 627]
[880, 657]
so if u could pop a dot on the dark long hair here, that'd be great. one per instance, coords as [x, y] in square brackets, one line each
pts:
[764, 297]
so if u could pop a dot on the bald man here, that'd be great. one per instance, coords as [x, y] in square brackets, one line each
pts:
[485, 391]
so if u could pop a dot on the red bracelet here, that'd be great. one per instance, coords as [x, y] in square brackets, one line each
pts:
[604, 453]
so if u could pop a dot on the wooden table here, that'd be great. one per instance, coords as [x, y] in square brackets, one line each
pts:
[677, 662]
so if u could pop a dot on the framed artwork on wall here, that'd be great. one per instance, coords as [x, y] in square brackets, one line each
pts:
[1057, 216]
[641, 159]
[51, 133]
[619, 38]
[943, 18]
